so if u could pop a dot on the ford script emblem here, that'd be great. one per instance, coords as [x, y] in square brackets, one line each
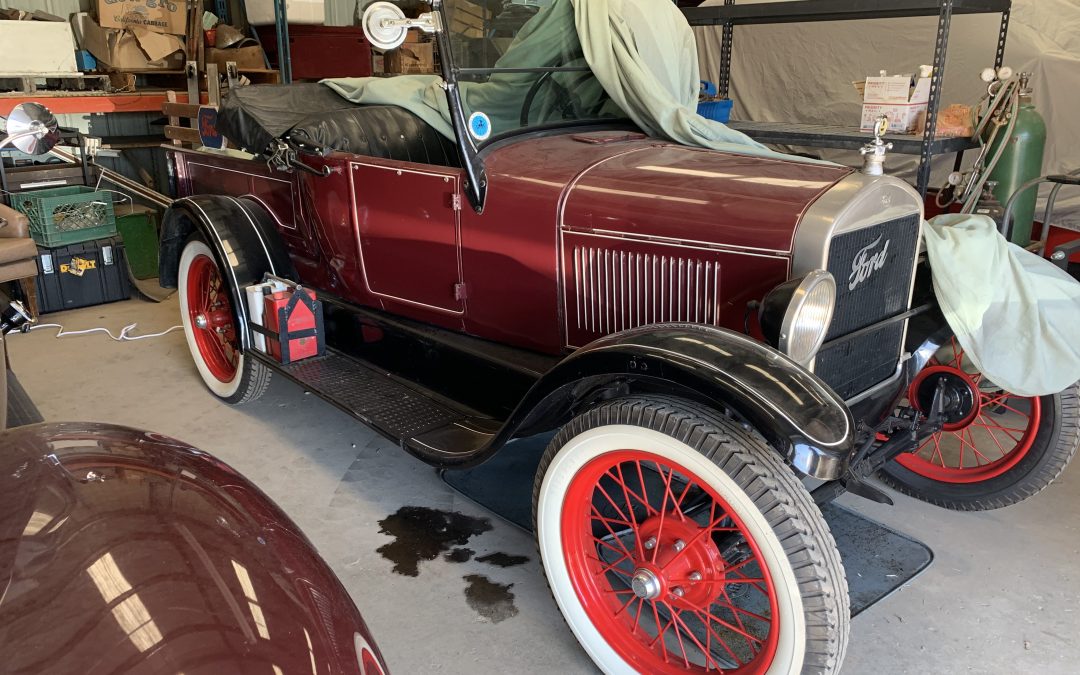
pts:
[867, 262]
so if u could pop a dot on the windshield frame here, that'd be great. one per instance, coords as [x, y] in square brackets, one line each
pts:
[476, 179]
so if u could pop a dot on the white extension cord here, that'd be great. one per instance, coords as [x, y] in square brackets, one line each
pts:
[124, 336]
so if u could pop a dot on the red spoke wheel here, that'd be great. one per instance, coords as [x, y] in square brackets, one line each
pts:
[995, 449]
[661, 560]
[207, 313]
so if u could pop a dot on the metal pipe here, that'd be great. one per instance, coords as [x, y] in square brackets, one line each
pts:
[153, 196]
[1006, 222]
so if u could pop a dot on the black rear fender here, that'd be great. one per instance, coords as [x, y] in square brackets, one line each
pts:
[797, 413]
[239, 231]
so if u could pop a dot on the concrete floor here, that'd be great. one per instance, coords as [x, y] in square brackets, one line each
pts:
[1003, 594]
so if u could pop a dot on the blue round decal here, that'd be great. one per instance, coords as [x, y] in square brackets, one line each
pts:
[480, 126]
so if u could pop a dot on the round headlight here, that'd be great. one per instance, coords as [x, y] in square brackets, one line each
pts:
[796, 315]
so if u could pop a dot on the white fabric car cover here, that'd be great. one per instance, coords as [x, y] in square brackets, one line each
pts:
[645, 55]
[1015, 314]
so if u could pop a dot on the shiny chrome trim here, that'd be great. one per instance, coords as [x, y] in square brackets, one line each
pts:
[798, 299]
[856, 202]
[815, 463]
[619, 290]
[674, 241]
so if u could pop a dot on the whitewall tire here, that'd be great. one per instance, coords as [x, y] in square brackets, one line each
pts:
[675, 541]
[206, 312]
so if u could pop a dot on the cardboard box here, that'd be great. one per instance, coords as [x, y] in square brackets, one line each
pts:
[901, 98]
[135, 49]
[246, 58]
[418, 58]
[158, 16]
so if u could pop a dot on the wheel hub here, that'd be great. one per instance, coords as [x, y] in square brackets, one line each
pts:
[645, 584]
[681, 563]
[201, 322]
[960, 395]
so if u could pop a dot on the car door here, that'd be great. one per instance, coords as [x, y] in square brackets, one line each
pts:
[409, 233]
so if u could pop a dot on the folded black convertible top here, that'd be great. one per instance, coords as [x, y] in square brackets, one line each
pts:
[312, 114]
[252, 117]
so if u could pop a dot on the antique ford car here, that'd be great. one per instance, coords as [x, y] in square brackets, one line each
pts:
[704, 330]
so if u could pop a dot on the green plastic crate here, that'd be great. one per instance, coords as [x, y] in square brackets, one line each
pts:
[67, 215]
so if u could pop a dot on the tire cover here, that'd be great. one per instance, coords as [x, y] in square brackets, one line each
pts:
[1014, 313]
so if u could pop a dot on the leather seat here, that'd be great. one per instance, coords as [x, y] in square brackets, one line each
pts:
[18, 252]
[378, 131]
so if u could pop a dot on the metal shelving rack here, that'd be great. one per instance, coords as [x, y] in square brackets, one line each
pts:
[730, 15]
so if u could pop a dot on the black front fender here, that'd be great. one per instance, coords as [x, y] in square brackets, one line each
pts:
[241, 234]
[797, 413]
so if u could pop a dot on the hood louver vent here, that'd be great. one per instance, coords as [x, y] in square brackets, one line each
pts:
[618, 290]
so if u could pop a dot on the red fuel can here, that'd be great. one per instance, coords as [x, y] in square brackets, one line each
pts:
[293, 325]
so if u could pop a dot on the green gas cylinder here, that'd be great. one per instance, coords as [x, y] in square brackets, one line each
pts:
[1020, 162]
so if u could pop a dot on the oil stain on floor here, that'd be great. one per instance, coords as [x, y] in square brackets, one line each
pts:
[459, 555]
[421, 533]
[500, 559]
[491, 600]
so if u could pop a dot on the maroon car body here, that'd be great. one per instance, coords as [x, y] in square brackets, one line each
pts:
[124, 551]
[565, 195]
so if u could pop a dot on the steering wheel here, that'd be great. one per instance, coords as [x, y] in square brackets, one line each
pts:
[564, 100]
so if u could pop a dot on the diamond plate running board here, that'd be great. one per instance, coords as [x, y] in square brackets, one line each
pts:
[425, 426]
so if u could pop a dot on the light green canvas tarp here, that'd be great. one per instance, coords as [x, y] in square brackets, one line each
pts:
[1015, 314]
[642, 52]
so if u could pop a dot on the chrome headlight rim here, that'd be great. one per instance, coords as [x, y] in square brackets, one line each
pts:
[797, 305]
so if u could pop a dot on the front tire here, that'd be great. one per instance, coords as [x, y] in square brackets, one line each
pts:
[675, 541]
[210, 328]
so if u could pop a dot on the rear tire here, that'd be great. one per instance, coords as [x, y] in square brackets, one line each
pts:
[1056, 436]
[763, 589]
[999, 450]
[210, 328]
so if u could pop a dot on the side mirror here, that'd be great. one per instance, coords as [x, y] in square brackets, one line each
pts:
[32, 129]
[385, 25]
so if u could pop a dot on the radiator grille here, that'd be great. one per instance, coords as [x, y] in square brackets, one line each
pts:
[617, 290]
[873, 268]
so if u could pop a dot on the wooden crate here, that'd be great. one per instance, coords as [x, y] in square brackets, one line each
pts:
[468, 19]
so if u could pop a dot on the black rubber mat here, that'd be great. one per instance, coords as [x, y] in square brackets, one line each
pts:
[878, 559]
[21, 409]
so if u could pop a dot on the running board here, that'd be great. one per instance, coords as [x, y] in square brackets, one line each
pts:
[424, 424]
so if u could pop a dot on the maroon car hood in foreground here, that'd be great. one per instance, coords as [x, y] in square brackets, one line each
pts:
[125, 551]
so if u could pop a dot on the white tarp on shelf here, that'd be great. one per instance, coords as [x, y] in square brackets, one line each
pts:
[803, 73]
